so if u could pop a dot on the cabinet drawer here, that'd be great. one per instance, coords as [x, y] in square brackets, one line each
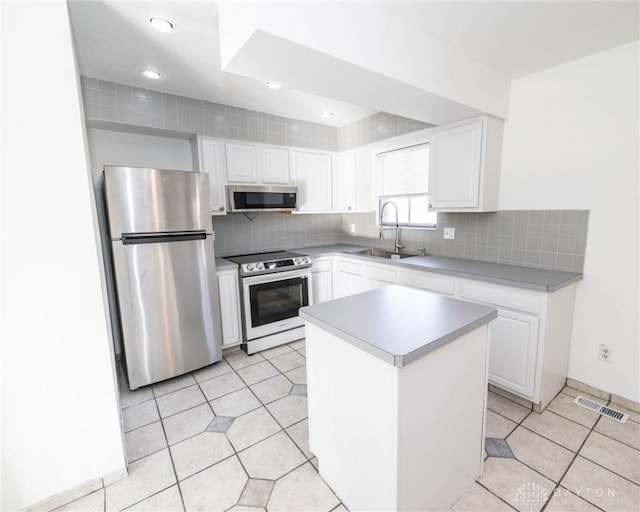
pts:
[497, 295]
[352, 267]
[426, 281]
[385, 274]
[321, 265]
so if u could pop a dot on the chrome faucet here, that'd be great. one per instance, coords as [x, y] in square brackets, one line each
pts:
[397, 243]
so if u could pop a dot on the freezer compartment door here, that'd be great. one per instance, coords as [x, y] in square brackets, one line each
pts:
[141, 200]
[169, 309]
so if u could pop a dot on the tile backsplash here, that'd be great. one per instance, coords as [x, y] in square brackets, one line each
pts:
[125, 104]
[547, 239]
[236, 234]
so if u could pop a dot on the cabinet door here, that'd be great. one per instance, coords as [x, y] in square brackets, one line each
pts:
[312, 176]
[230, 309]
[455, 165]
[241, 163]
[274, 166]
[345, 183]
[364, 197]
[210, 160]
[513, 343]
[348, 278]
[322, 286]
[348, 284]
[378, 276]
[353, 182]
[426, 281]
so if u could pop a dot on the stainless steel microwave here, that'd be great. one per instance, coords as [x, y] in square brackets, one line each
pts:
[262, 198]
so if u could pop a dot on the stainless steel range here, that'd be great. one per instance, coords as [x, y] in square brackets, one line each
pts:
[274, 286]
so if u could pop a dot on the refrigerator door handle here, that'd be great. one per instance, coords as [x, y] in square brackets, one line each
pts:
[154, 238]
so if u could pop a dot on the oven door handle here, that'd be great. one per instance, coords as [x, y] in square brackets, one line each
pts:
[277, 276]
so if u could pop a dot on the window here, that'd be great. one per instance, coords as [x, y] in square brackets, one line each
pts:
[413, 211]
[404, 180]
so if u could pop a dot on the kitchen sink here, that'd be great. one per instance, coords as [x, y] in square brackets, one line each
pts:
[381, 253]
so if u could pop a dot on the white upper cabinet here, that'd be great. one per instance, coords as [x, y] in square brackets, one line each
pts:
[464, 165]
[274, 165]
[241, 163]
[353, 182]
[311, 173]
[208, 157]
[404, 171]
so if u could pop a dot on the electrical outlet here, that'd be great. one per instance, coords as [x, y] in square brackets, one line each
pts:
[605, 353]
[353, 228]
[449, 233]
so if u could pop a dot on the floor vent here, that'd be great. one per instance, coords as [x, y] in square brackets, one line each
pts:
[601, 409]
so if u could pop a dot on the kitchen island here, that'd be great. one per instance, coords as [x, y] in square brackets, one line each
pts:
[397, 383]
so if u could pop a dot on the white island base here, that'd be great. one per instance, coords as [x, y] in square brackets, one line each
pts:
[397, 438]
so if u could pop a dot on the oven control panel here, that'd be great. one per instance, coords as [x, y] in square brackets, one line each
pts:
[264, 267]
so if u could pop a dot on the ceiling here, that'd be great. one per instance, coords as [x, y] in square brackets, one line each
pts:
[114, 41]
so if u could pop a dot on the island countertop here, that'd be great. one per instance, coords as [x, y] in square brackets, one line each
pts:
[396, 323]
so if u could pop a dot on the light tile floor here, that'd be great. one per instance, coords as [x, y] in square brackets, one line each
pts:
[234, 436]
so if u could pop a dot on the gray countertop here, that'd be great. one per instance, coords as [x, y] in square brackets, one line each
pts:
[396, 323]
[508, 275]
[222, 264]
[322, 250]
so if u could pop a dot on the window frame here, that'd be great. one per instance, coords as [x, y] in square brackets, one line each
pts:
[383, 199]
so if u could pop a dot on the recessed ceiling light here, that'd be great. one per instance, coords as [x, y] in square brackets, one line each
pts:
[326, 114]
[161, 25]
[149, 73]
[274, 85]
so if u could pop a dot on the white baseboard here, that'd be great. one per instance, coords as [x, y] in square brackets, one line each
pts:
[78, 492]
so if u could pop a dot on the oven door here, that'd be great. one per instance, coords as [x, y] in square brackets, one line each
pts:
[271, 302]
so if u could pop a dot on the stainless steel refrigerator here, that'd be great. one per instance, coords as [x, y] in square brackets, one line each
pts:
[164, 267]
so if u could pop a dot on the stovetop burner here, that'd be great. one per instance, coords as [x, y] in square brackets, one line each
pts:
[268, 262]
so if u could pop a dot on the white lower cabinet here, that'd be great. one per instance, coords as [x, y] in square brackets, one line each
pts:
[322, 280]
[426, 281]
[348, 278]
[513, 339]
[529, 341]
[229, 290]
[378, 276]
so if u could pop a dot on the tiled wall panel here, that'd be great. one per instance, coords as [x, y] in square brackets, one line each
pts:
[236, 234]
[548, 239]
[108, 101]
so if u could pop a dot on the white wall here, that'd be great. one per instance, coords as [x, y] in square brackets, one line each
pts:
[128, 149]
[60, 417]
[358, 53]
[571, 141]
